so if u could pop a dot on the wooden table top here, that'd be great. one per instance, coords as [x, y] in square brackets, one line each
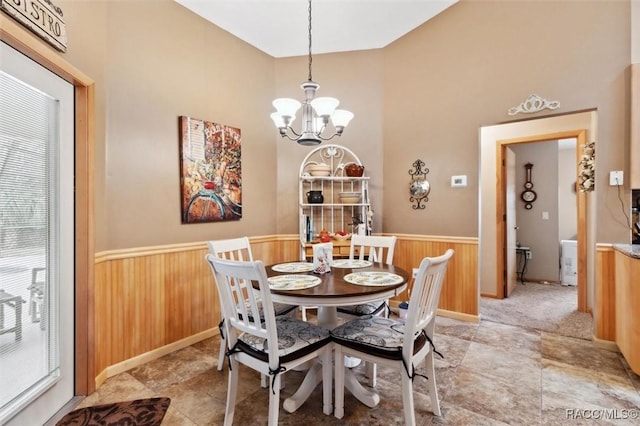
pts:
[333, 285]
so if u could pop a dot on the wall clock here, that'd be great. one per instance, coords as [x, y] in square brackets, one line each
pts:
[528, 195]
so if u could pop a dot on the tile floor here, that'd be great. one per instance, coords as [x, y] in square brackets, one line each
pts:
[491, 374]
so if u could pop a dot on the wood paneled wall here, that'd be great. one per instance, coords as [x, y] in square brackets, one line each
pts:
[147, 299]
[605, 297]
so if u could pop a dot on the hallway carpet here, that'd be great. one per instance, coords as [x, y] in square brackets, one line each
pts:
[545, 307]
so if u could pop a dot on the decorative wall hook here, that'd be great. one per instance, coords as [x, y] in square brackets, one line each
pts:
[419, 187]
[533, 103]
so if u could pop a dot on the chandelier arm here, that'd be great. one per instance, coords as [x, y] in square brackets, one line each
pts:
[290, 129]
[330, 137]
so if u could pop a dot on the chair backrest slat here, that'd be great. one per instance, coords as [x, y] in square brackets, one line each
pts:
[241, 309]
[425, 296]
[374, 247]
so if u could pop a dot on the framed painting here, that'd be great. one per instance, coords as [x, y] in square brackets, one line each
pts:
[210, 171]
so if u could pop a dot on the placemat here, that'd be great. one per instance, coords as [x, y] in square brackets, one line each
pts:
[293, 282]
[293, 267]
[373, 278]
[348, 263]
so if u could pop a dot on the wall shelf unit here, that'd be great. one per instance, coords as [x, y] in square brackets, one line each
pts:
[345, 199]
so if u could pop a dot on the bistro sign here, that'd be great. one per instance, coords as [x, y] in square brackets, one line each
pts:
[40, 16]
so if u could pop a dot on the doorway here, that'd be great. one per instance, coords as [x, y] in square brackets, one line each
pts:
[36, 242]
[493, 140]
[33, 47]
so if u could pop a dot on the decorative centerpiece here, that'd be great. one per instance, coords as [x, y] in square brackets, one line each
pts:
[341, 236]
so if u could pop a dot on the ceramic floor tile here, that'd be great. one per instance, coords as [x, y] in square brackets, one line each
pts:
[121, 387]
[173, 368]
[453, 349]
[516, 369]
[560, 410]
[451, 327]
[458, 416]
[581, 353]
[492, 374]
[495, 398]
[511, 338]
[589, 385]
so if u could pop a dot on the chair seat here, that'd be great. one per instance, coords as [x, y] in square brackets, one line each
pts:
[296, 338]
[278, 309]
[375, 335]
[371, 308]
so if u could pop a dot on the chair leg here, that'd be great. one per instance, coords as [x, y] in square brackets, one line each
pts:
[223, 349]
[407, 400]
[232, 391]
[303, 310]
[433, 389]
[327, 379]
[372, 369]
[339, 383]
[274, 400]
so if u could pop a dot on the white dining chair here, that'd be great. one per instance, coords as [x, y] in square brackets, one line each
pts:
[239, 249]
[374, 249]
[250, 339]
[398, 344]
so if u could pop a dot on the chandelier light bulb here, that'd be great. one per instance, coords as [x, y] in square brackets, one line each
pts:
[341, 118]
[324, 106]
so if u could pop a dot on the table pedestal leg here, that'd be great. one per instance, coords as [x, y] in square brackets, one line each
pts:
[367, 397]
[311, 380]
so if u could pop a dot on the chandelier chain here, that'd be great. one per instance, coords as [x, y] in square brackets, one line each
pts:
[310, 79]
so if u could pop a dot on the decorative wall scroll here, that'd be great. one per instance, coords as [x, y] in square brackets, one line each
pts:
[533, 103]
[419, 187]
[210, 171]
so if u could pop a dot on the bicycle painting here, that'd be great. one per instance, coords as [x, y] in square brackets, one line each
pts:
[210, 171]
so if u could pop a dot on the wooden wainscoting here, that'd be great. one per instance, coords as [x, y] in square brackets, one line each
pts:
[605, 294]
[151, 301]
[460, 289]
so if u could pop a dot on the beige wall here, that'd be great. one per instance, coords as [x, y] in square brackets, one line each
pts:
[468, 66]
[151, 65]
[533, 230]
[354, 78]
[423, 97]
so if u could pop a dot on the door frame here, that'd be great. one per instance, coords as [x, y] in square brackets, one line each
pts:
[501, 145]
[34, 48]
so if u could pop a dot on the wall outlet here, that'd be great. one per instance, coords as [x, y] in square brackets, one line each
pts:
[616, 178]
[415, 273]
[529, 255]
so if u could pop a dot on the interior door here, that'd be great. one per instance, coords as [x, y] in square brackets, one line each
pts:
[510, 222]
[36, 239]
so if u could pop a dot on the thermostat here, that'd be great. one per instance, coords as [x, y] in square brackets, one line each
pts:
[459, 181]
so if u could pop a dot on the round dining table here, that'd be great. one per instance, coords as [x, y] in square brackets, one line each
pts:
[333, 291]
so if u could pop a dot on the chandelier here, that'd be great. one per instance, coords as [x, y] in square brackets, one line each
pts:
[316, 112]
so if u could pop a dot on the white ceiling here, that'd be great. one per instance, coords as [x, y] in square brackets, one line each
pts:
[280, 27]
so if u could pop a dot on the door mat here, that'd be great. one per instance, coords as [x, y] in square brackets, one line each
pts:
[141, 412]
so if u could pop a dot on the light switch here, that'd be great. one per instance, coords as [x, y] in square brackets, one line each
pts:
[545, 215]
